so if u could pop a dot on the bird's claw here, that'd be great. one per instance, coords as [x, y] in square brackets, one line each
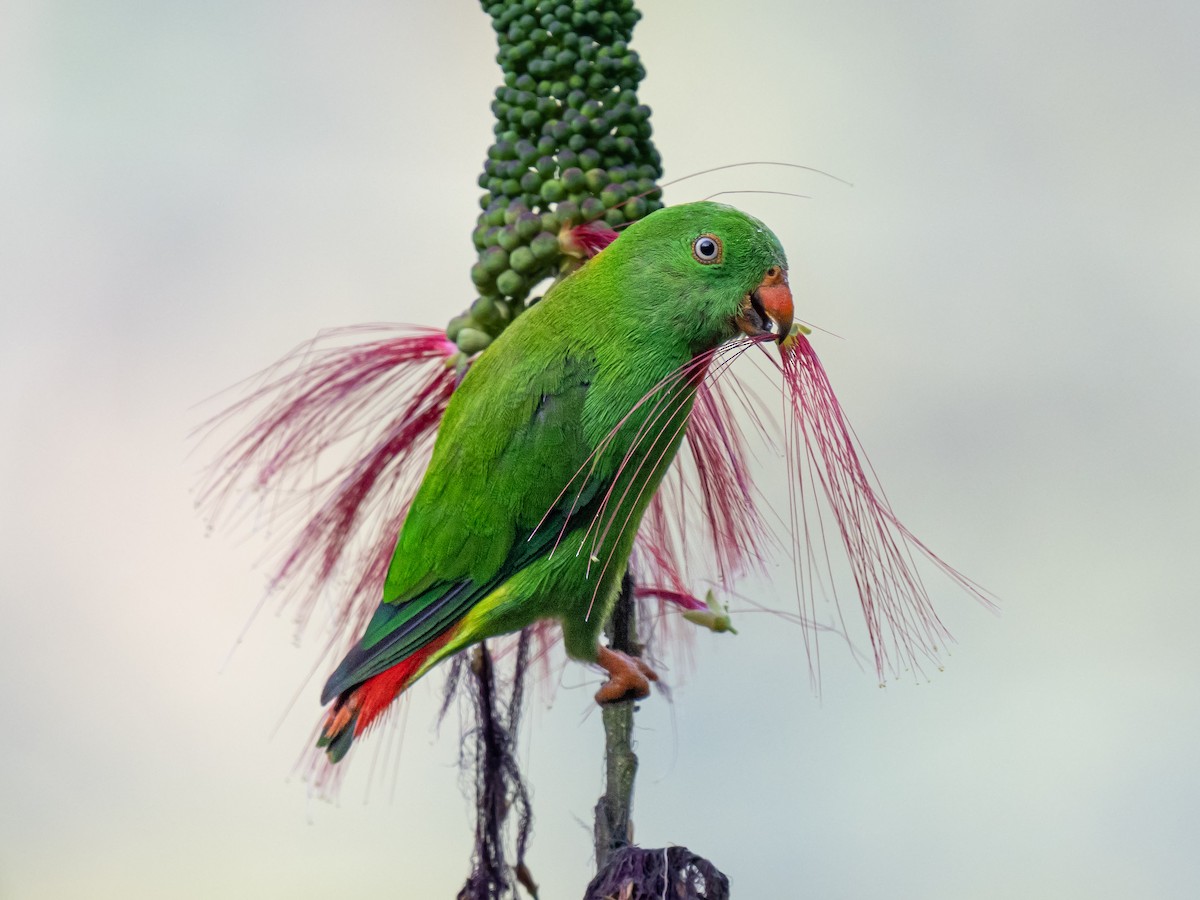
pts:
[628, 677]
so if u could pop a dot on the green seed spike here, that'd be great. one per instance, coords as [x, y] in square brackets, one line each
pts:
[572, 144]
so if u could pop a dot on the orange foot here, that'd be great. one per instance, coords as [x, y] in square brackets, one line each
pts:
[628, 677]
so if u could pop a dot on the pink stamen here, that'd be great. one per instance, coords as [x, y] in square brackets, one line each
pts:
[901, 621]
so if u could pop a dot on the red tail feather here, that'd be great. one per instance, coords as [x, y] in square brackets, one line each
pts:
[363, 705]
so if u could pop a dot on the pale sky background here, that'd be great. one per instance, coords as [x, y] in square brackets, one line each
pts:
[190, 190]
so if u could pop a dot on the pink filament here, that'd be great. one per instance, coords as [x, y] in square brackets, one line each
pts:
[901, 621]
[366, 414]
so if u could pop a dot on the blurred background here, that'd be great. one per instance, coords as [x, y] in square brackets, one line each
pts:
[191, 190]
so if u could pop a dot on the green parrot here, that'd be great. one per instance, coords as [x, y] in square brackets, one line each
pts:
[550, 450]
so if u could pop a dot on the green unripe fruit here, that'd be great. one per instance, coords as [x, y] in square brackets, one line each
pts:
[531, 182]
[522, 260]
[510, 284]
[513, 212]
[481, 277]
[472, 340]
[544, 247]
[494, 261]
[589, 159]
[526, 152]
[508, 238]
[528, 225]
[573, 179]
[591, 208]
[568, 213]
[596, 180]
[483, 309]
[552, 191]
[456, 325]
[612, 195]
[614, 217]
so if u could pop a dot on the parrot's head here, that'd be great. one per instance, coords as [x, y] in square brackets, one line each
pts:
[720, 272]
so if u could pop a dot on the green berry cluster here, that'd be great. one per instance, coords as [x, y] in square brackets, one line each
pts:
[572, 146]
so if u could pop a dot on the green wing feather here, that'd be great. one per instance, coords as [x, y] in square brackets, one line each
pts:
[492, 502]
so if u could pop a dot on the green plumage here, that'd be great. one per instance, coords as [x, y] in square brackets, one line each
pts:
[549, 436]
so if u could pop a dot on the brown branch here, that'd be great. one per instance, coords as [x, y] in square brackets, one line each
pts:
[613, 828]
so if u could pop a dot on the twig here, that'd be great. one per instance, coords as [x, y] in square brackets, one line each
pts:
[613, 829]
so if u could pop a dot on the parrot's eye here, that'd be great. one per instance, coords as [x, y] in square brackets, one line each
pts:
[707, 249]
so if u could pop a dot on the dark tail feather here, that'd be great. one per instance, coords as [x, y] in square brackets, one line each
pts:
[358, 705]
[337, 734]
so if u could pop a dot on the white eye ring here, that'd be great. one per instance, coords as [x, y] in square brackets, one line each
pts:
[707, 249]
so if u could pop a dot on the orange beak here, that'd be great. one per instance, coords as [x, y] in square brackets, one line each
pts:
[768, 308]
